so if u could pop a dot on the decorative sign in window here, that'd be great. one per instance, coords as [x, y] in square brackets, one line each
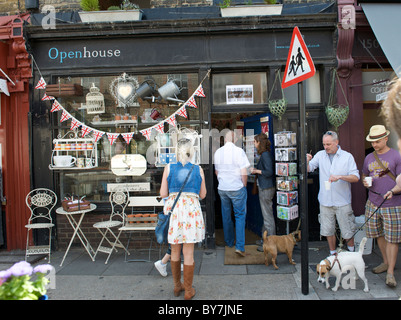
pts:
[239, 94]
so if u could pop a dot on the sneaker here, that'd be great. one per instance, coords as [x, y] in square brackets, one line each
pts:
[390, 280]
[162, 268]
[380, 268]
[240, 253]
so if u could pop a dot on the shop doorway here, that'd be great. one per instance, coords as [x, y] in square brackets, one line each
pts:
[250, 124]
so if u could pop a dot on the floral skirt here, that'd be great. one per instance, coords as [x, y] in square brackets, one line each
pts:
[186, 222]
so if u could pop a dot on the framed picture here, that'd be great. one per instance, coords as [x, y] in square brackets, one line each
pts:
[239, 94]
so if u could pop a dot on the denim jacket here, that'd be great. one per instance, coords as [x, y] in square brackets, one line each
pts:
[266, 179]
[178, 174]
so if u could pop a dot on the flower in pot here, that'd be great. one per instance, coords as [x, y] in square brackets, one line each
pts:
[16, 282]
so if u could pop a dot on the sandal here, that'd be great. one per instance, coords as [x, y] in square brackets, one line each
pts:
[380, 268]
[390, 280]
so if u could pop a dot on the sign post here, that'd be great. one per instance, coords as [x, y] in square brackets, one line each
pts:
[300, 67]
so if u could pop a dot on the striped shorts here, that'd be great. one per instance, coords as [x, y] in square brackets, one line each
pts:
[385, 222]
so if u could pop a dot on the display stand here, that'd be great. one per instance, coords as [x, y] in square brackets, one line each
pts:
[286, 180]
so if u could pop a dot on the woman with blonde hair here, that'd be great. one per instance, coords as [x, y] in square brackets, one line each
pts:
[186, 221]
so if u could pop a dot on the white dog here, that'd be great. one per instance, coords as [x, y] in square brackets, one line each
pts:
[339, 264]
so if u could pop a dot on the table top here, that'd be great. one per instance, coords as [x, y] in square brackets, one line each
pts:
[60, 210]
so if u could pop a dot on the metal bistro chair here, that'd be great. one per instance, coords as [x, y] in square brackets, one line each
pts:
[119, 200]
[40, 201]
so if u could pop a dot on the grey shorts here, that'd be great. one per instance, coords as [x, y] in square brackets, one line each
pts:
[345, 218]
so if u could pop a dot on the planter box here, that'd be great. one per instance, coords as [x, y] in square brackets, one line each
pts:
[252, 10]
[110, 15]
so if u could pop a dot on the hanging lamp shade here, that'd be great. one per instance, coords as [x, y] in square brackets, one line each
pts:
[94, 101]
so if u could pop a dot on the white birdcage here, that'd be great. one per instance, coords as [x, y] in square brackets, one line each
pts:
[95, 101]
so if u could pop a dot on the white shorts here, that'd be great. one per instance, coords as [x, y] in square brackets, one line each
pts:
[345, 218]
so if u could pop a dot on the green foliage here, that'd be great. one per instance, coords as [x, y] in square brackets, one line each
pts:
[90, 5]
[270, 1]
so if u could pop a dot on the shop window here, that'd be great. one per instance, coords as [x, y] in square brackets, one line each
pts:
[240, 88]
[119, 118]
[312, 90]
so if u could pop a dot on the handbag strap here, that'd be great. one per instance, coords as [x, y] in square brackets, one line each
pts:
[182, 187]
[390, 174]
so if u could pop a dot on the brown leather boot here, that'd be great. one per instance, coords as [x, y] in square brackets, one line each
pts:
[188, 279]
[176, 271]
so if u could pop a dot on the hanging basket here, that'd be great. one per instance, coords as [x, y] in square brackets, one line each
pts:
[278, 107]
[337, 114]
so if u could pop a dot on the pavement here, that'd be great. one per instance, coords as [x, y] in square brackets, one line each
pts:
[80, 278]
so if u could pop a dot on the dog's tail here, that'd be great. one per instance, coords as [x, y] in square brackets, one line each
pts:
[265, 236]
[362, 245]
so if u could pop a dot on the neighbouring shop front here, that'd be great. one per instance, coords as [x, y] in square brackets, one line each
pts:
[170, 62]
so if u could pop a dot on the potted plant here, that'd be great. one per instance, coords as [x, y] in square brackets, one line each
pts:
[269, 8]
[16, 282]
[128, 11]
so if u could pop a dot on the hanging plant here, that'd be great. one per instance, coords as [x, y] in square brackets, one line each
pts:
[336, 114]
[279, 106]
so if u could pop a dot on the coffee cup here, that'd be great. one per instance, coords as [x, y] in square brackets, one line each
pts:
[64, 161]
[327, 185]
[368, 181]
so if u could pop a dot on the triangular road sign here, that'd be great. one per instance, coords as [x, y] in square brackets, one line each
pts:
[299, 62]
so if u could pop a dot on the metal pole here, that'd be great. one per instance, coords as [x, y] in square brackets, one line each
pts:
[303, 189]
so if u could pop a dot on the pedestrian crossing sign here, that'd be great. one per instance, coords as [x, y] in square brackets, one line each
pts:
[299, 65]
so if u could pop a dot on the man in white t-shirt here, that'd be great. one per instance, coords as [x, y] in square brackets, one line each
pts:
[231, 165]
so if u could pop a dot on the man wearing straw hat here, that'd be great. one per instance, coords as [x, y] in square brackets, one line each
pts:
[381, 168]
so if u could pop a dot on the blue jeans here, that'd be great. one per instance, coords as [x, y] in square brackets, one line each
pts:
[238, 201]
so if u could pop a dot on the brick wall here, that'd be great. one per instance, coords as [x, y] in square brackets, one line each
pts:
[10, 7]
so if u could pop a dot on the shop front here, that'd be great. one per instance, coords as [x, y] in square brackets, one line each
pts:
[166, 66]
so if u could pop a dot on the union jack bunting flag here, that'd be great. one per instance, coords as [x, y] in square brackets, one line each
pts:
[112, 137]
[55, 106]
[199, 92]
[182, 112]
[41, 84]
[172, 121]
[85, 130]
[127, 136]
[159, 127]
[65, 116]
[97, 135]
[146, 133]
[46, 97]
[191, 102]
[75, 124]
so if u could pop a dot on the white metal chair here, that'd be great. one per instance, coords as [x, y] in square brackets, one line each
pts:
[40, 202]
[119, 200]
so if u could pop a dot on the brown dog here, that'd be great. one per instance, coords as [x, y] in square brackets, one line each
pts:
[274, 244]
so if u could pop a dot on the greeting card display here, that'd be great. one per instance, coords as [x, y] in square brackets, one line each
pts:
[286, 154]
[286, 168]
[287, 183]
[287, 213]
[285, 139]
[287, 198]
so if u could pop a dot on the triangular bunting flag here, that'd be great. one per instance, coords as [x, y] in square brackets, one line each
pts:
[182, 112]
[191, 102]
[75, 124]
[172, 121]
[65, 116]
[41, 84]
[159, 127]
[146, 133]
[55, 106]
[85, 130]
[127, 136]
[199, 92]
[97, 134]
[46, 97]
[112, 137]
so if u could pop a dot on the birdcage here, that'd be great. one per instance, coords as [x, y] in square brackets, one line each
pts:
[95, 101]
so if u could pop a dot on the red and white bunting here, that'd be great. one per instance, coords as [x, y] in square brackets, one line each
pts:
[182, 112]
[65, 116]
[75, 124]
[85, 130]
[159, 127]
[199, 92]
[127, 136]
[112, 137]
[191, 102]
[46, 97]
[146, 133]
[97, 134]
[172, 121]
[56, 106]
[41, 84]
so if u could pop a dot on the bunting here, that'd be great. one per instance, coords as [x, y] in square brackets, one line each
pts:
[65, 116]
[55, 106]
[46, 97]
[85, 130]
[112, 137]
[172, 121]
[127, 136]
[97, 134]
[75, 124]
[146, 133]
[182, 112]
[199, 92]
[41, 84]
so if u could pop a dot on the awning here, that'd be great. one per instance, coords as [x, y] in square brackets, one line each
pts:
[384, 18]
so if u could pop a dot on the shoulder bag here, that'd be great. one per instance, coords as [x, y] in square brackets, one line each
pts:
[386, 170]
[163, 221]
